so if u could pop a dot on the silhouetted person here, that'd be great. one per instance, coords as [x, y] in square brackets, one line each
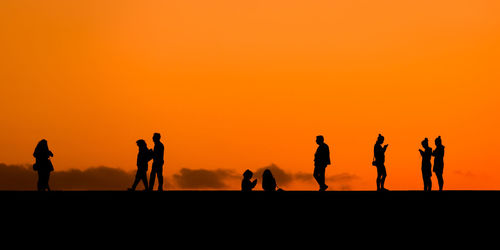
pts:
[43, 165]
[439, 161]
[247, 184]
[157, 168]
[321, 161]
[143, 158]
[426, 164]
[379, 162]
[268, 181]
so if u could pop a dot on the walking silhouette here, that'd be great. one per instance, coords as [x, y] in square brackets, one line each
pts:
[246, 184]
[268, 181]
[143, 158]
[43, 165]
[426, 164]
[379, 162]
[157, 168]
[438, 154]
[321, 161]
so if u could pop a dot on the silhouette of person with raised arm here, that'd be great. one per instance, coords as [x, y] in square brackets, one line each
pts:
[157, 168]
[379, 162]
[268, 181]
[43, 164]
[143, 158]
[247, 184]
[426, 164]
[438, 154]
[321, 161]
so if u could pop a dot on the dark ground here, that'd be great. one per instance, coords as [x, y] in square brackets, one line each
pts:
[286, 217]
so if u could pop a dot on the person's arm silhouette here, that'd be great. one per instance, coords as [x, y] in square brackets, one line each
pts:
[254, 183]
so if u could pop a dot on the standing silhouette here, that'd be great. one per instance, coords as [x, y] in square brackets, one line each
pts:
[379, 162]
[157, 168]
[143, 158]
[268, 181]
[43, 165]
[246, 184]
[426, 164]
[438, 154]
[321, 161]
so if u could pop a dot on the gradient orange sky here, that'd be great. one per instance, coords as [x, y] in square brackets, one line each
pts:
[243, 84]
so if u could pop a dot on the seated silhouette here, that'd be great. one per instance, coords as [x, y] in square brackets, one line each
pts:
[43, 164]
[246, 184]
[268, 181]
[143, 158]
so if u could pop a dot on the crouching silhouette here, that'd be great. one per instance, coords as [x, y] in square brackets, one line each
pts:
[247, 184]
[268, 181]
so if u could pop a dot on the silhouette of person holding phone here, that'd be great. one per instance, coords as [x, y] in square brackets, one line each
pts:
[143, 158]
[247, 184]
[438, 154]
[268, 181]
[379, 162]
[426, 164]
[43, 165]
[157, 167]
[321, 161]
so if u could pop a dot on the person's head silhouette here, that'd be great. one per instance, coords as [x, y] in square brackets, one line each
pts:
[248, 174]
[141, 144]
[380, 139]
[438, 141]
[425, 143]
[42, 144]
[320, 139]
[156, 137]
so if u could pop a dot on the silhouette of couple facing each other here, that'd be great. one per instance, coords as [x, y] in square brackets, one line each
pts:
[143, 157]
[427, 154]
[43, 165]
[268, 181]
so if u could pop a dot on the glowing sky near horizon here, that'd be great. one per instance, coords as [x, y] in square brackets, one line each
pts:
[243, 84]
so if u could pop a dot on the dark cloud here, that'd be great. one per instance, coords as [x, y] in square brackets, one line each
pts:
[97, 178]
[305, 177]
[203, 178]
[342, 177]
[22, 177]
[17, 177]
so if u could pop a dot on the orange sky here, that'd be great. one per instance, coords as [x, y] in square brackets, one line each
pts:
[243, 84]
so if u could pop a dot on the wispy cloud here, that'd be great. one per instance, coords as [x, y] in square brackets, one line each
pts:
[22, 177]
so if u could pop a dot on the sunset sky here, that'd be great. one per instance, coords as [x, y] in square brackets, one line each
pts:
[236, 85]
